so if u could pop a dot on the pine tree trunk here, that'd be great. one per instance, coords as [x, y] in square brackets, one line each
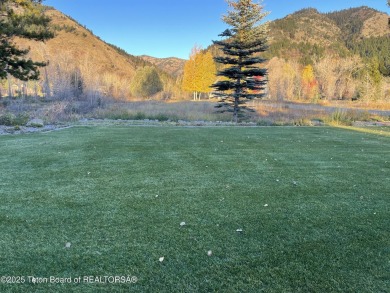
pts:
[237, 93]
[235, 113]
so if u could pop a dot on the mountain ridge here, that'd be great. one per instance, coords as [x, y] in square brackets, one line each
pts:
[171, 65]
[110, 69]
[308, 34]
[75, 49]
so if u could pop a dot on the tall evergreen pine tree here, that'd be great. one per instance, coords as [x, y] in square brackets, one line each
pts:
[30, 24]
[242, 79]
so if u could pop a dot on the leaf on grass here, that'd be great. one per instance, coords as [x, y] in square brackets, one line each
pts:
[68, 245]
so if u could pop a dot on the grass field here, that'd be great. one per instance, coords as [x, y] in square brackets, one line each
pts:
[311, 206]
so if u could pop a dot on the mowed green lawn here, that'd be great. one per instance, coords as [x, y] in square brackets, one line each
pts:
[311, 206]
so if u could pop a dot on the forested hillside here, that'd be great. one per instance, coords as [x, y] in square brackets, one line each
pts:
[338, 55]
[80, 61]
[172, 65]
[342, 55]
[312, 56]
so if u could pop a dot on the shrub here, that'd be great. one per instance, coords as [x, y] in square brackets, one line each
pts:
[302, 122]
[139, 116]
[146, 82]
[5, 103]
[264, 123]
[165, 117]
[115, 114]
[21, 119]
[347, 117]
[7, 119]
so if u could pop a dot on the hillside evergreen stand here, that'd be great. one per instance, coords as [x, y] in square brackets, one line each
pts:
[242, 79]
[30, 24]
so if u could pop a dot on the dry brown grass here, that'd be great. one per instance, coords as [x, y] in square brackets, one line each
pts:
[180, 110]
[286, 113]
[265, 112]
[306, 114]
[376, 26]
[367, 105]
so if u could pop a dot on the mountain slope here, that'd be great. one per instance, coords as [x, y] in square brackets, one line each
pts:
[305, 36]
[333, 56]
[308, 34]
[74, 43]
[324, 28]
[306, 25]
[75, 49]
[376, 26]
[361, 22]
[172, 65]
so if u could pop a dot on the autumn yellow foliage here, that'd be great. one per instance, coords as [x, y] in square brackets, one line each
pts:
[309, 83]
[199, 73]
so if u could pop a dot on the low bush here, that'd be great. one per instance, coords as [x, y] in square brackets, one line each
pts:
[7, 119]
[21, 119]
[139, 116]
[264, 123]
[302, 122]
[347, 117]
[165, 117]
[10, 119]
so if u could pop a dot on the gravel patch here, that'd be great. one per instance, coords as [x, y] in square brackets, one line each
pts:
[8, 130]
[363, 123]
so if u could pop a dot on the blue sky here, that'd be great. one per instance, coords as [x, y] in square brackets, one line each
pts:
[170, 28]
